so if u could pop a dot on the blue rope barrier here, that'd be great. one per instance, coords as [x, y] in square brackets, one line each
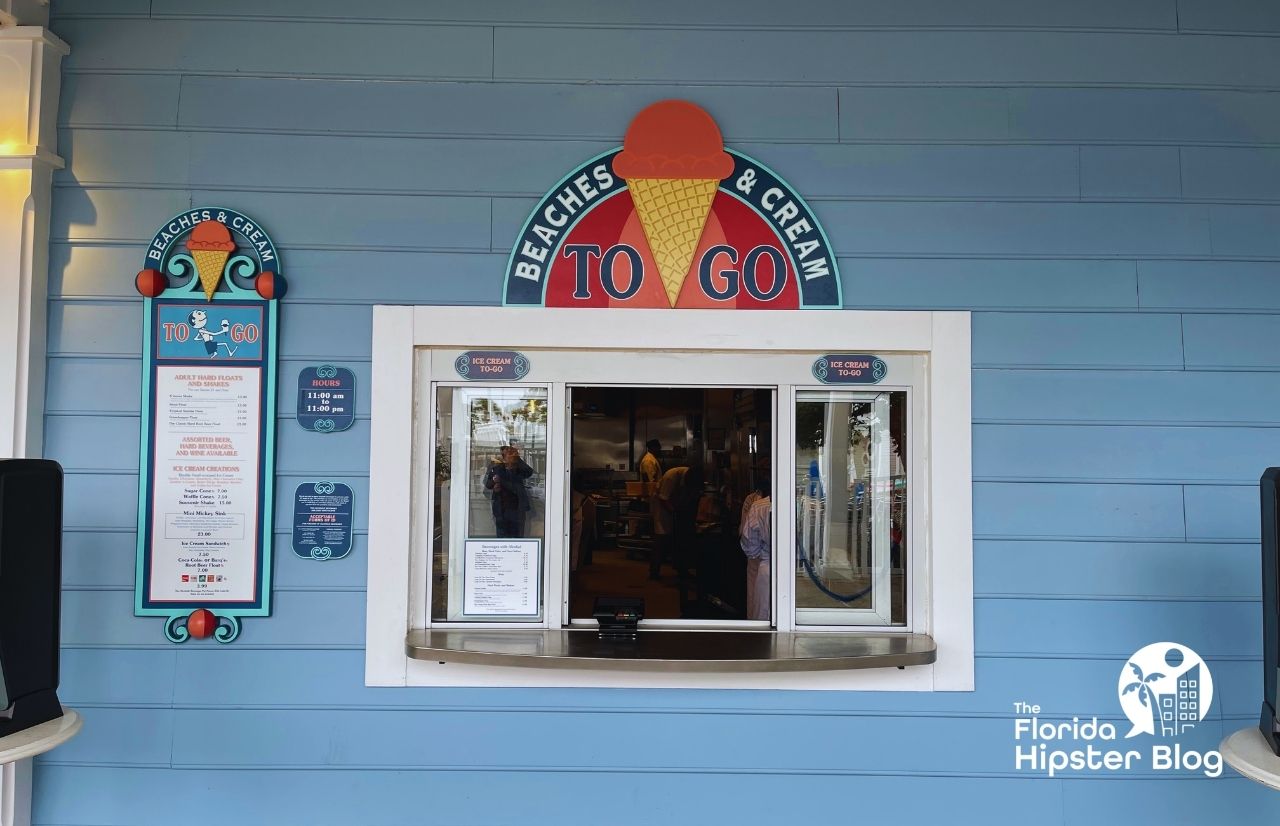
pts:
[808, 569]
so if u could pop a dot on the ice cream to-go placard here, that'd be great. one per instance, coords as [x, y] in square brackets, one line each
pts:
[849, 368]
[492, 365]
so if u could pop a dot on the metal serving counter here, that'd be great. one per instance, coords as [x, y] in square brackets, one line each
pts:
[673, 651]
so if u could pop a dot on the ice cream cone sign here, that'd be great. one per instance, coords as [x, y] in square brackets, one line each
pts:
[672, 219]
[673, 160]
[210, 246]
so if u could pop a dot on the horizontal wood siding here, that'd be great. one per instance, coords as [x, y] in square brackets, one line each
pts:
[1099, 181]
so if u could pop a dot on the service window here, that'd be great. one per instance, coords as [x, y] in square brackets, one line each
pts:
[672, 486]
[725, 482]
[489, 518]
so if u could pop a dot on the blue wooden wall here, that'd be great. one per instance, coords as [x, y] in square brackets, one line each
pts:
[1099, 180]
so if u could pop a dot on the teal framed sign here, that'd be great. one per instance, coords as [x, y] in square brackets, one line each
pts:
[211, 292]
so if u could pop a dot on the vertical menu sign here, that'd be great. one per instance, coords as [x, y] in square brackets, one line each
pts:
[208, 426]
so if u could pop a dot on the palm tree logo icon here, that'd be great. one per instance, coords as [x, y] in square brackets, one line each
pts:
[1146, 696]
[1165, 689]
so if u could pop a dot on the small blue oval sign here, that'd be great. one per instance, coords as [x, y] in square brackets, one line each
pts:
[843, 368]
[492, 365]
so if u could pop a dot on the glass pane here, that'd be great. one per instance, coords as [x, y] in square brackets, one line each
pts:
[669, 501]
[851, 508]
[490, 503]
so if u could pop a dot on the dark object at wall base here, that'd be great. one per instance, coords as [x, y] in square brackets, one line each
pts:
[1269, 492]
[1270, 730]
[30, 710]
[30, 592]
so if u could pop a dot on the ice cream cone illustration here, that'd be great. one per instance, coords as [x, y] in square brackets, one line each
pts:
[210, 246]
[673, 160]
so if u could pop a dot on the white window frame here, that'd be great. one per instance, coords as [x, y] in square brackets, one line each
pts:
[397, 581]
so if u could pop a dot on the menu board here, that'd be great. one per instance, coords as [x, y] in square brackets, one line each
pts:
[206, 483]
[501, 577]
[204, 506]
[204, 527]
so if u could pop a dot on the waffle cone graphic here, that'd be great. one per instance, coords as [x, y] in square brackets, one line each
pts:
[210, 246]
[673, 160]
[209, 264]
[673, 212]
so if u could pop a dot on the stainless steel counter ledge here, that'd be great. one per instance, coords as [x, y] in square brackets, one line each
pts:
[673, 651]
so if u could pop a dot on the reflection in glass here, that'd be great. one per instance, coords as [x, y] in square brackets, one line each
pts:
[662, 477]
[490, 477]
[851, 508]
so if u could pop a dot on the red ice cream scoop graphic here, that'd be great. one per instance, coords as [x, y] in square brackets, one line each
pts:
[673, 160]
[210, 246]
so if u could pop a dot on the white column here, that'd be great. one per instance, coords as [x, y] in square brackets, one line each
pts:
[30, 59]
[30, 63]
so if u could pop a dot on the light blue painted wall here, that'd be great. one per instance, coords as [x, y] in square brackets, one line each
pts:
[1098, 180]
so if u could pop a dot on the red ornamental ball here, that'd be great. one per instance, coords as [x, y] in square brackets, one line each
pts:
[202, 623]
[269, 284]
[150, 283]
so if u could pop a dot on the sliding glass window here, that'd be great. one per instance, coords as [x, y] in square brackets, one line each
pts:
[851, 508]
[490, 503]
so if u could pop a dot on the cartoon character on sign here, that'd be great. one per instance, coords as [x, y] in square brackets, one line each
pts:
[198, 321]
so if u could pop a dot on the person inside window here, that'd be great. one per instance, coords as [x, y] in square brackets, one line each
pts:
[582, 515]
[651, 467]
[650, 477]
[678, 494]
[756, 534]
[664, 518]
[504, 479]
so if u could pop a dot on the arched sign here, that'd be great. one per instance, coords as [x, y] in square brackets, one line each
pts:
[673, 219]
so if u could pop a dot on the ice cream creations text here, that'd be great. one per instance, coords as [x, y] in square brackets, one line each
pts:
[1054, 747]
[672, 219]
